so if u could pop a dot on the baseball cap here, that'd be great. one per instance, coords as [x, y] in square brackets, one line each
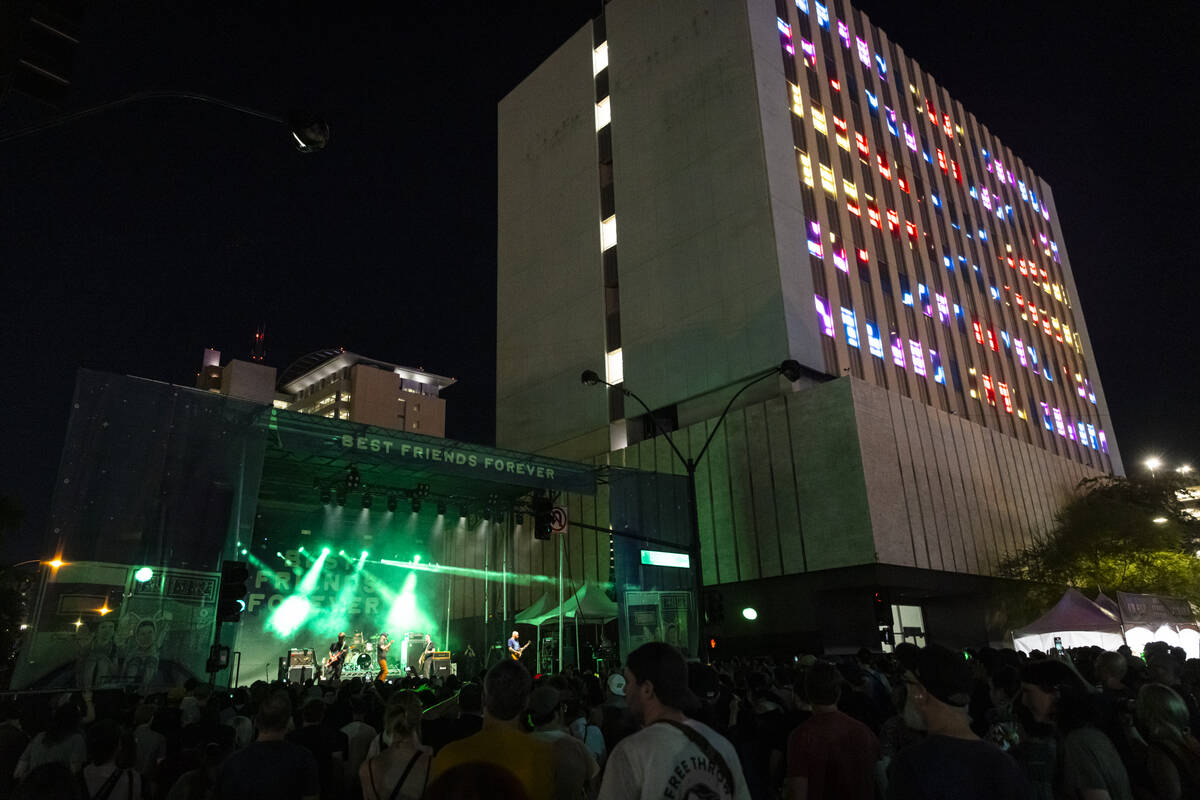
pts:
[944, 674]
[664, 667]
[616, 684]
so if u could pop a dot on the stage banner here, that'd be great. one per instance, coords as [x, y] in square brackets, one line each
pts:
[1149, 609]
[657, 617]
[111, 626]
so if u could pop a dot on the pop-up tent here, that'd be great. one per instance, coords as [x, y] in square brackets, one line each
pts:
[1076, 622]
[589, 603]
[536, 610]
[1153, 618]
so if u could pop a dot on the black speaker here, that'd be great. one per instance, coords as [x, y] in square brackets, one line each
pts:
[413, 649]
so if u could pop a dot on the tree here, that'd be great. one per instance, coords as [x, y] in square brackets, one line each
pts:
[1116, 535]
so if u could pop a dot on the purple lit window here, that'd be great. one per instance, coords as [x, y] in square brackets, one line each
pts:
[1019, 346]
[1058, 422]
[918, 357]
[839, 261]
[943, 309]
[826, 317]
[897, 351]
[814, 239]
[909, 139]
[1103, 443]
[1046, 418]
[864, 54]
[939, 374]
[844, 33]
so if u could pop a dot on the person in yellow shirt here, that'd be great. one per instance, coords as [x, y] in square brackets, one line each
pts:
[502, 742]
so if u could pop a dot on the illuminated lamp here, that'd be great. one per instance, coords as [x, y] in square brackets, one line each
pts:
[416, 505]
[750, 613]
[144, 574]
[441, 509]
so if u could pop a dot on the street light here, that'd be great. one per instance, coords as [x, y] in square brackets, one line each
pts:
[1153, 463]
[789, 368]
[1184, 469]
[309, 132]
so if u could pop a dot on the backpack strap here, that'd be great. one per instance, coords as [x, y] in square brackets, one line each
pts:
[106, 788]
[711, 753]
[404, 776]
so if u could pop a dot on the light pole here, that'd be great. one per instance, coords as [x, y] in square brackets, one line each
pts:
[309, 133]
[789, 368]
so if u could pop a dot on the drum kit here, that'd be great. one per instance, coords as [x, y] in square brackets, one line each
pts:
[361, 661]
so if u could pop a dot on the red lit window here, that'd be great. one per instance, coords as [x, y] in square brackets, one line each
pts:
[932, 114]
[840, 124]
[911, 227]
[1020, 300]
[864, 152]
[946, 126]
[852, 207]
[989, 389]
[978, 331]
[1046, 325]
[991, 334]
[942, 160]
[1005, 397]
[873, 216]
[956, 171]
[884, 168]
[893, 220]
[903, 184]
[836, 84]
[862, 256]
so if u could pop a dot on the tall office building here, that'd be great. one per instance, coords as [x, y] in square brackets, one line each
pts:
[691, 192]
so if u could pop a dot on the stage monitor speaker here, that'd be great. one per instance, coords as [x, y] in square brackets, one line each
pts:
[297, 657]
[282, 674]
[300, 674]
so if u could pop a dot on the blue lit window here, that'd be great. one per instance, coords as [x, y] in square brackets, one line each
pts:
[995, 293]
[1006, 339]
[905, 292]
[873, 100]
[822, 16]
[1046, 374]
[926, 154]
[926, 305]
[851, 325]
[982, 235]
[802, 5]
[874, 342]
[939, 374]
[973, 193]
[948, 263]
[879, 62]
[937, 201]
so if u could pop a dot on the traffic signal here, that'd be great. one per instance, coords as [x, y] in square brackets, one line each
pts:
[232, 600]
[543, 508]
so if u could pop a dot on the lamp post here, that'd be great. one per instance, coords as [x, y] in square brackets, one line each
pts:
[789, 368]
[309, 133]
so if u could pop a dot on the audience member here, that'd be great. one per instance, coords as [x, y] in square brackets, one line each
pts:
[270, 768]
[402, 770]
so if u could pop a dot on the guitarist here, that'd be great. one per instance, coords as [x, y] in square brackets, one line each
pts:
[337, 659]
[425, 662]
[514, 646]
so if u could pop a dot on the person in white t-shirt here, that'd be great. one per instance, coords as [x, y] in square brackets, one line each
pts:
[672, 755]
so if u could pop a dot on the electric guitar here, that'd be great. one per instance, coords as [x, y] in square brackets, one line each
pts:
[517, 655]
[335, 658]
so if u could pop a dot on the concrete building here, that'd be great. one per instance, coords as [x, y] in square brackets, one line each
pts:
[337, 384]
[691, 192]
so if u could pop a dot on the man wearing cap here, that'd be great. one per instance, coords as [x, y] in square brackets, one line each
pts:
[672, 756]
[952, 762]
[574, 768]
[830, 754]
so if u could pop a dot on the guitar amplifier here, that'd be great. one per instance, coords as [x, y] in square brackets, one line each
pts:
[413, 648]
[300, 658]
[300, 674]
[441, 663]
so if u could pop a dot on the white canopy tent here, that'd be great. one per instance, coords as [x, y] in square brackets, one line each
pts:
[589, 603]
[1076, 622]
[1152, 618]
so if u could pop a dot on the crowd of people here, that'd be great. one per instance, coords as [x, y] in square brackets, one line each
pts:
[915, 723]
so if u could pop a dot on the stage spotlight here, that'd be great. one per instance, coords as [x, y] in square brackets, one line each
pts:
[341, 497]
[441, 508]
[422, 490]
[366, 500]
[353, 479]
[416, 505]
[391, 502]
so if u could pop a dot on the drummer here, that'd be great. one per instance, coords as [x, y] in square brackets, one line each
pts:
[385, 644]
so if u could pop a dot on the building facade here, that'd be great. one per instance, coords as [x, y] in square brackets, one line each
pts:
[691, 193]
[337, 384]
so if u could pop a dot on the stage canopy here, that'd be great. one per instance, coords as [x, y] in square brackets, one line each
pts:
[1076, 621]
[589, 603]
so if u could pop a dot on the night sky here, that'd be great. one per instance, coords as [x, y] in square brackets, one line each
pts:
[131, 241]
